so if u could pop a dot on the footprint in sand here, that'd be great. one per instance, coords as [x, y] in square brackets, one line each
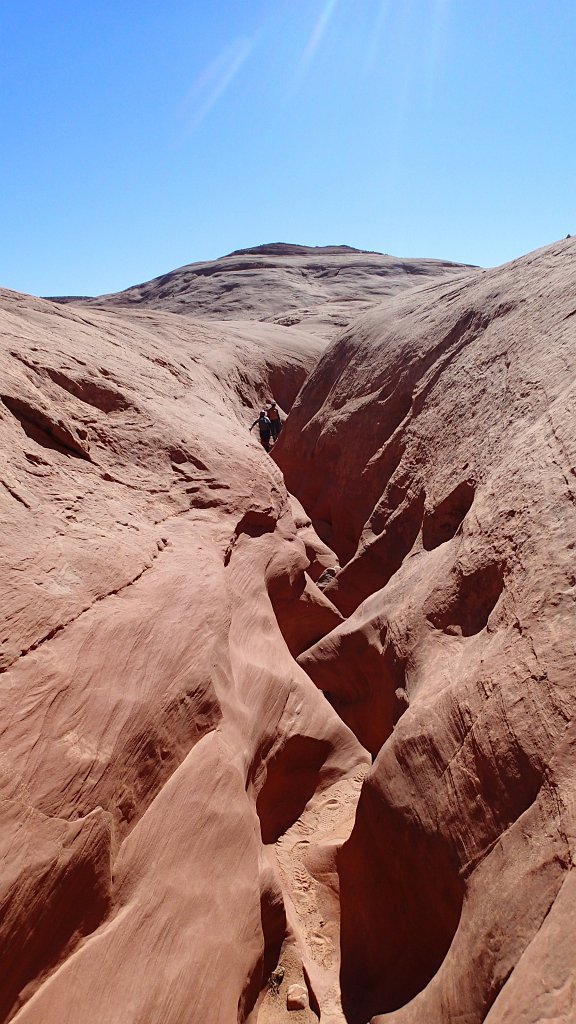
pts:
[302, 879]
[331, 805]
[302, 846]
[303, 828]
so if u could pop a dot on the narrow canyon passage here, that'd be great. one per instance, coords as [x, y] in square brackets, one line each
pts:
[326, 881]
[303, 822]
[158, 739]
[433, 448]
[357, 663]
[290, 738]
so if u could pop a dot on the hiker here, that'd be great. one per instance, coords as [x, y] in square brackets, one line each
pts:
[264, 428]
[275, 421]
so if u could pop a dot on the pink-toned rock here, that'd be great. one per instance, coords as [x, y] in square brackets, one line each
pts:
[434, 448]
[150, 710]
[296, 998]
[321, 287]
[195, 667]
[321, 558]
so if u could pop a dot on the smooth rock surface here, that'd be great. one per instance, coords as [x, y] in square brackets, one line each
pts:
[155, 731]
[326, 734]
[434, 449]
[323, 287]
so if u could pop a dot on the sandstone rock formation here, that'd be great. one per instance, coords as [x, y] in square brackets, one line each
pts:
[156, 733]
[434, 448]
[310, 735]
[324, 287]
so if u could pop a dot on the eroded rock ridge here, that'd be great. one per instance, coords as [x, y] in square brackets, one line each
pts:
[434, 447]
[290, 738]
[321, 287]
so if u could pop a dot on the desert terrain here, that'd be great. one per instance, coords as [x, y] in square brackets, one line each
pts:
[289, 736]
[321, 287]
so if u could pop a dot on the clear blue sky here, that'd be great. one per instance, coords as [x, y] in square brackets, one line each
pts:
[137, 137]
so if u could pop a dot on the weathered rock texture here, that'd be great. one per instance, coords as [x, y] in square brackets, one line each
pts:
[155, 731]
[198, 668]
[324, 286]
[434, 448]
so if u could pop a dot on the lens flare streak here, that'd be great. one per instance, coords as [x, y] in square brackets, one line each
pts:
[316, 36]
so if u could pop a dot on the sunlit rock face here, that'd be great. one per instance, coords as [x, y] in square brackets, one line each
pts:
[320, 287]
[290, 738]
[434, 449]
[156, 734]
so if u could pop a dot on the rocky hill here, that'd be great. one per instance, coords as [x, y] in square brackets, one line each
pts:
[290, 738]
[324, 287]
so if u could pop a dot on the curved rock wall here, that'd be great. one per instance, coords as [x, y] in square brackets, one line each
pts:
[156, 734]
[434, 448]
[265, 755]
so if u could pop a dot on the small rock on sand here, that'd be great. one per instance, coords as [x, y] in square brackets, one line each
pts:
[297, 998]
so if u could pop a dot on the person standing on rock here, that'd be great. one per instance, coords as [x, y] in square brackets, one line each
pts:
[264, 426]
[275, 421]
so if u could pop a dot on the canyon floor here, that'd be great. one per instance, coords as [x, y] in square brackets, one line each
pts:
[235, 787]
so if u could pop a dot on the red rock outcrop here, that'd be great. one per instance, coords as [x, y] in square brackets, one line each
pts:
[320, 287]
[434, 449]
[255, 742]
[156, 734]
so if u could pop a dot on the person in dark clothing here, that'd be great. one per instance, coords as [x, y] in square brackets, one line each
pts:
[264, 428]
[275, 421]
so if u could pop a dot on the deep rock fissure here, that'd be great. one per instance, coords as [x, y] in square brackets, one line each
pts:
[422, 921]
[424, 450]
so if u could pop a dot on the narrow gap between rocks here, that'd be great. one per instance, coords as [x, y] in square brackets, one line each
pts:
[365, 684]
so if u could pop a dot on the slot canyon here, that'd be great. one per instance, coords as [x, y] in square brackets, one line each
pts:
[290, 736]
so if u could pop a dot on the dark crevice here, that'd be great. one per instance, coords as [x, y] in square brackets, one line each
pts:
[274, 930]
[98, 394]
[364, 680]
[398, 920]
[181, 457]
[303, 615]
[254, 523]
[441, 524]
[72, 896]
[284, 383]
[463, 607]
[292, 778]
[312, 998]
[375, 563]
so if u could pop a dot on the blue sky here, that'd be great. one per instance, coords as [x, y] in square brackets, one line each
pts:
[137, 137]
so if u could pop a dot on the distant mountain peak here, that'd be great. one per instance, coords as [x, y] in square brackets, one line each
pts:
[290, 249]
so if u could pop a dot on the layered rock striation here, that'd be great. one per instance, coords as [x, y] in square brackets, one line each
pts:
[320, 287]
[290, 738]
[156, 734]
[434, 448]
